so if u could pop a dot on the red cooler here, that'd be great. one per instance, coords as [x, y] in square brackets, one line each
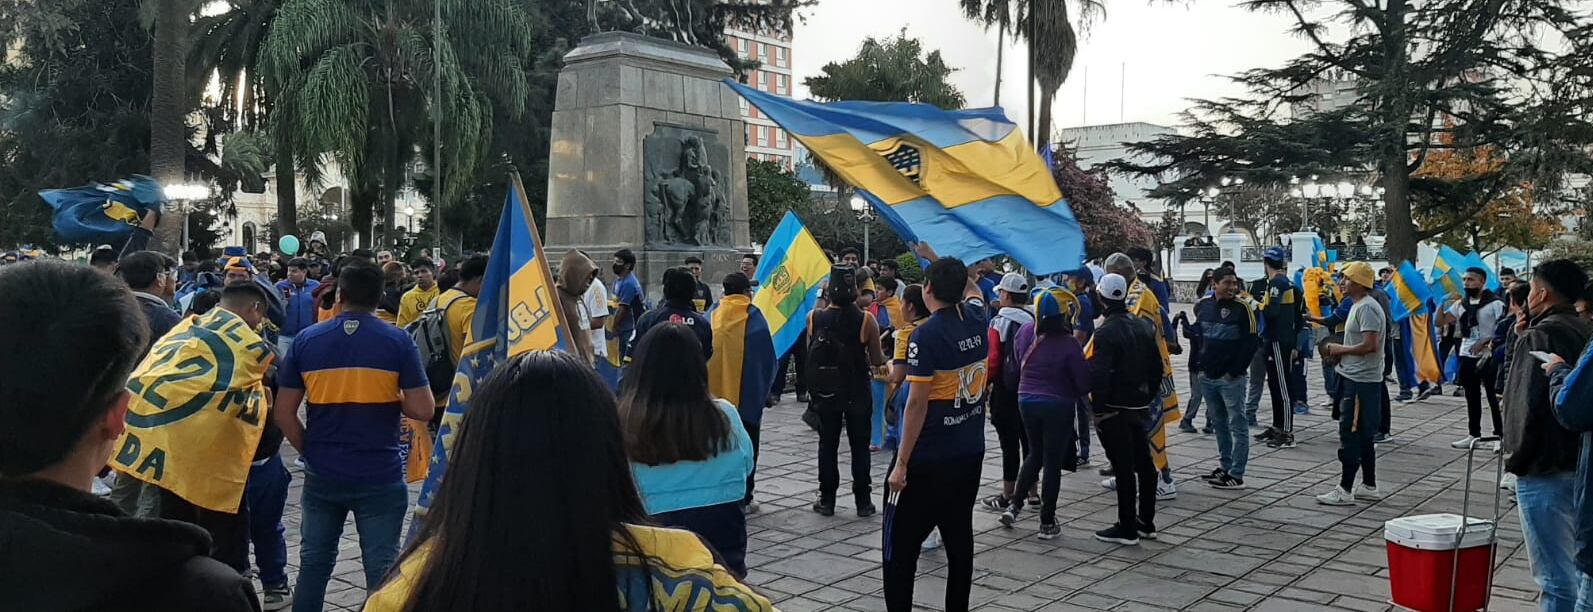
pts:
[1421, 561]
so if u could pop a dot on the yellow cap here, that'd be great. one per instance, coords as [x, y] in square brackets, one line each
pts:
[1360, 273]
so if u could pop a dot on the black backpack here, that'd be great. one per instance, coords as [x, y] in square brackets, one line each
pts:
[832, 361]
[431, 335]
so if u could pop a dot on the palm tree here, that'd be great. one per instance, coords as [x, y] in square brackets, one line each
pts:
[169, 103]
[997, 13]
[1053, 42]
[352, 79]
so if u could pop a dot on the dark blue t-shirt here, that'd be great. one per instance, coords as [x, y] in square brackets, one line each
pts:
[947, 352]
[352, 369]
[628, 292]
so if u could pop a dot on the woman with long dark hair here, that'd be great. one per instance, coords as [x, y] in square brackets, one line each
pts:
[539, 511]
[690, 453]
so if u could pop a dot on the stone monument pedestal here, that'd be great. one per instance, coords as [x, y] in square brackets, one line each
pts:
[648, 154]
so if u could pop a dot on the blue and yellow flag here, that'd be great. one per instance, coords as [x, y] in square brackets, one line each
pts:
[1423, 347]
[1448, 267]
[966, 182]
[1408, 293]
[516, 312]
[197, 410]
[1319, 253]
[102, 212]
[790, 275]
[744, 362]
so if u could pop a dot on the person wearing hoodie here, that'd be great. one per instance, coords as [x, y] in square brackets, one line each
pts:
[66, 327]
[1002, 367]
[1540, 451]
[575, 277]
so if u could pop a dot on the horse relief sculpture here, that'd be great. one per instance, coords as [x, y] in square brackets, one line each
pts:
[686, 202]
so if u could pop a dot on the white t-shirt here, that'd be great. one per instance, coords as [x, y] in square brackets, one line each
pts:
[596, 302]
[1366, 317]
[1487, 318]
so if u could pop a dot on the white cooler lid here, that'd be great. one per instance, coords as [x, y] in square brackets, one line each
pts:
[1437, 531]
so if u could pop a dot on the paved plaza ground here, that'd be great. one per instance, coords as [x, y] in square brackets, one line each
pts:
[1267, 547]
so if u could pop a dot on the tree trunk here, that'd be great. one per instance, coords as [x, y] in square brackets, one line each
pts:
[168, 109]
[364, 203]
[287, 193]
[1001, 47]
[1396, 108]
[393, 180]
[1043, 133]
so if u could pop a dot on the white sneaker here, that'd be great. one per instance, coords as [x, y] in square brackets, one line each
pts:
[100, 487]
[1109, 484]
[1463, 443]
[1337, 497]
[1166, 491]
[1508, 482]
[933, 541]
[1365, 493]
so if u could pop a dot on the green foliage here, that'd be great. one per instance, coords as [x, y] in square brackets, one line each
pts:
[912, 273]
[890, 70]
[771, 191]
[1579, 250]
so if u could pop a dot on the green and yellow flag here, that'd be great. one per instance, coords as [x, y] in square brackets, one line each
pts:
[790, 274]
[197, 411]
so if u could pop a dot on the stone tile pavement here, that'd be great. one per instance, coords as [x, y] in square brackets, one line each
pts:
[1269, 547]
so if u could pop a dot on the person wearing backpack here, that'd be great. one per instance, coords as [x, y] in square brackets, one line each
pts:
[452, 312]
[1003, 370]
[843, 348]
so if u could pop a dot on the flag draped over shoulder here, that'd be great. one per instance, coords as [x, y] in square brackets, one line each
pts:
[102, 212]
[790, 274]
[743, 365]
[516, 312]
[197, 410]
[966, 181]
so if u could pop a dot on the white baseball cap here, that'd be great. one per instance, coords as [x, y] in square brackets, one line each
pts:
[1013, 282]
[1113, 287]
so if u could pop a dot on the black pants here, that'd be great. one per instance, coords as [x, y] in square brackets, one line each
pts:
[1280, 357]
[722, 526]
[1359, 409]
[799, 354]
[1015, 441]
[938, 495]
[1477, 379]
[855, 416]
[229, 533]
[1051, 435]
[752, 432]
[1122, 434]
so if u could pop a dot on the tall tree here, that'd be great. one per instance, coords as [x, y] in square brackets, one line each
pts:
[1429, 77]
[998, 13]
[353, 80]
[170, 104]
[1053, 44]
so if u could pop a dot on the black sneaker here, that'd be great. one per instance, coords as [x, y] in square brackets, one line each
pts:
[996, 503]
[802, 397]
[1147, 531]
[1118, 534]
[1214, 475]
[824, 509]
[1382, 438]
[1228, 481]
[1284, 441]
[1269, 434]
[1010, 517]
[1049, 532]
[866, 510]
[1105, 471]
[1186, 427]
[1208, 430]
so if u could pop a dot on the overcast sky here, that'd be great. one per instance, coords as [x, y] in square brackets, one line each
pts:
[1169, 52]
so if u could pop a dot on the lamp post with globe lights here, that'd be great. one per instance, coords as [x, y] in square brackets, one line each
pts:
[183, 196]
[865, 213]
[409, 212]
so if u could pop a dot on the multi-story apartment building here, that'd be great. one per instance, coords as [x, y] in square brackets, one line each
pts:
[765, 140]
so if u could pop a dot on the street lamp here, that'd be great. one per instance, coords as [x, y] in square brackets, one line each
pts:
[409, 211]
[185, 194]
[865, 213]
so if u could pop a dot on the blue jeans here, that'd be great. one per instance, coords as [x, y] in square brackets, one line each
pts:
[1195, 397]
[1548, 524]
[1225, 411]
[1402, 368]
[379, 517]
[265, 495]
[877, 399]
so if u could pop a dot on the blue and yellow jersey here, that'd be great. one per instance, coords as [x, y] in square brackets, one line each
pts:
[680, 576]
[352, 369]
[947, 352]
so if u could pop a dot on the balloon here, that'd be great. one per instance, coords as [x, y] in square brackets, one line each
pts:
[289, 244]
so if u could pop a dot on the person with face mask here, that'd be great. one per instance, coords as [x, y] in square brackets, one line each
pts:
[1477, 314]
[628, 301]
[1541, 451]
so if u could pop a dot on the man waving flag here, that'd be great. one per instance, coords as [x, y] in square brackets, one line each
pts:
[966, 182]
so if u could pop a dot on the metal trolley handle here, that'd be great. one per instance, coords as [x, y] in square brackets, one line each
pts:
[1465, 521]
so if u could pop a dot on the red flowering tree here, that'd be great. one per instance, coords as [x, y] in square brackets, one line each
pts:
[1108, 227]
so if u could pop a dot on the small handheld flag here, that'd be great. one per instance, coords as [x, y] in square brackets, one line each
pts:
[790, 274]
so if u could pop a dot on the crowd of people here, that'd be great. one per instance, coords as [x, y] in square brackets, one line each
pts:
[622, 472]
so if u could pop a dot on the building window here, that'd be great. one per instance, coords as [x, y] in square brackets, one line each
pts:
[779, 56]
[249, 232]
[763, 135]
[741, 47]
[779, 84]
[742, 102]
[763, 80]
[763, 51]
[779, 138]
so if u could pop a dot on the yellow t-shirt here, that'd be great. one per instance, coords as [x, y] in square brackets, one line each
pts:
[684, 577]
[414, 302]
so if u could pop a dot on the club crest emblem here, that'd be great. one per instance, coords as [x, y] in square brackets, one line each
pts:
[907, 159]
[350, 326]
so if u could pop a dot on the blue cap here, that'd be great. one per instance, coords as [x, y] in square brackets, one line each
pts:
[1057, 302]
[1276, 253]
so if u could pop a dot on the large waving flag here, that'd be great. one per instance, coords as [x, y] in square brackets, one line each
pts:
[966, 182]
[1407, 291]
[517, 312]
[742, 368]
[790, 274]
[1448, 267]
[197, 410]
[102, 212]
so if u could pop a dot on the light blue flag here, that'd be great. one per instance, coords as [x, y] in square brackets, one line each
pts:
[517, 311]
